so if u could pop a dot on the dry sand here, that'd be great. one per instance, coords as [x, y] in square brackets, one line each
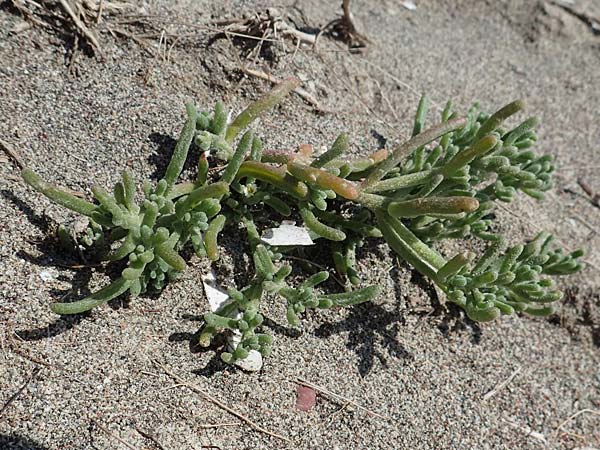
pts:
[421, 366]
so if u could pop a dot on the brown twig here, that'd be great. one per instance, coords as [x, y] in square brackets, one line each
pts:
[346, 27]
[578, 413]
[501, 385]
[72, 66]
[151, 438]
[134, 38]
[16, 395]
[100, 11]
[218, 425]
[331, 416]
[301, 92]
[28, 15]
[12, 153]
[351, 29]
[114, 436]
[13, 347]
[218, 403]
[85, 31]
[339, 398]
[594, 196]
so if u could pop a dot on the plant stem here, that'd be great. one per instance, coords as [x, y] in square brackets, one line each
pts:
[412, 144]
[276, 176]
[182, 147]
[408, 246]
[255, 109]
[401, 182]
[58, 195]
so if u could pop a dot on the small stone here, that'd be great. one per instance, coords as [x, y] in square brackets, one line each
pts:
[46, 276]
[253, 363]
[306, 398]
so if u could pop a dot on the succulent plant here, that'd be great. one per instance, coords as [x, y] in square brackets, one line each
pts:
[411, 196]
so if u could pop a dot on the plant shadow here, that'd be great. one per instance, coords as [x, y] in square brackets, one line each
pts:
[214, 365]
[372, 334]
[160, 158]
[451, 318]
[15, 441]
[51, 254]
[42, 223]
[59, 326]
[290, 332]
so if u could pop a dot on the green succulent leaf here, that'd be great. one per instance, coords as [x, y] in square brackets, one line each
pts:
[442, 183]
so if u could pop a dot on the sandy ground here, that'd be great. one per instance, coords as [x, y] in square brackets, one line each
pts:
[418, 370]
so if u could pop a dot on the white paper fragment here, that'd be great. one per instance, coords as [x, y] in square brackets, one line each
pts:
[253, 362]
[46, 276]
[410, 5]
[217, 296]
[286, 234]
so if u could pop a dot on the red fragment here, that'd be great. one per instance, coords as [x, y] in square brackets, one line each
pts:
[305, 398]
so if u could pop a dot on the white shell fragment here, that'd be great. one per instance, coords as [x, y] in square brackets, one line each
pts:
[217, 298]
[254, 361]
[409, 5]
[46, 276]
[286, 234]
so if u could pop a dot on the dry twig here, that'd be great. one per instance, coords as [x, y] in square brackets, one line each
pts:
[218, 403]
[577, 414]
[219, 425]
[347, 29]
[12, 153]
[317, 265]
[151, 438]
[75, 15]
[339, 398]
[114, 436]
[84, 30]
[355, 37]
[16, 395]
[22, 353]
[527, 430]
[502, 385]
[594, 196]
[137, 39]
[301, 92]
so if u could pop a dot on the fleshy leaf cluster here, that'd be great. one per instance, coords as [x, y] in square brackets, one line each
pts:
[441, 183]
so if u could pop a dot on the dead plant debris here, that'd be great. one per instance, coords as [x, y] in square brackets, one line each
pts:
[69, 17]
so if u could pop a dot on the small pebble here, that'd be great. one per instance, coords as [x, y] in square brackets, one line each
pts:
[306, 398]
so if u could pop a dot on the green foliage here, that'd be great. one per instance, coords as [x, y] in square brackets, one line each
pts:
[502, 282]
[417, 193]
